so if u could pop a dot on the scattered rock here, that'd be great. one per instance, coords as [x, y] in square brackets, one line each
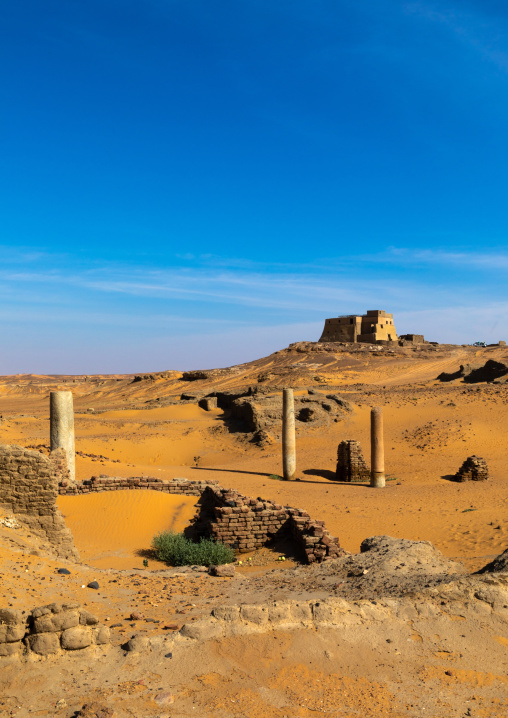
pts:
[137, 616]
[96, 710]
[93, 584]
[164, 698]
[137, 644]
[64, 571]
[225, 571]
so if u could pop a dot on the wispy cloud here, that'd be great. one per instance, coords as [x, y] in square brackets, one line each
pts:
[325, 288]
[496, 260]
[477, 30]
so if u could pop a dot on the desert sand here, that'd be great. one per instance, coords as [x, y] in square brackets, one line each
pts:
[134, 427]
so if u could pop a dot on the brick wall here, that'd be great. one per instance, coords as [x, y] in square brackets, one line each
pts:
[351, 466]
[112, 483]
[246, 524]
[474, 468]
[29, 488]
[229, 517]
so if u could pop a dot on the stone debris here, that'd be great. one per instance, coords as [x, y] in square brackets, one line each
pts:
[137, 616]
[224, 571]
[164, 698]
[351, 466]
[10, 522]
[47, 630]
[474, 468]
[96, 710]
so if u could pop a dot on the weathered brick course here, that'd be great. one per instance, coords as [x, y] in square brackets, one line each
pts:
[351, 465]
[29, 489]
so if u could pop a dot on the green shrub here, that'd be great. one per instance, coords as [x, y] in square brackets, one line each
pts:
[177, 550]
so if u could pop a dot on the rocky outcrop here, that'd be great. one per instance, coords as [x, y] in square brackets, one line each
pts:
[200, 374]
[491, 371]
[49, 630]
[29, 488]
[258, 413]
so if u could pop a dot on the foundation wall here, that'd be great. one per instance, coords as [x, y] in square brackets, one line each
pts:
[108, 483]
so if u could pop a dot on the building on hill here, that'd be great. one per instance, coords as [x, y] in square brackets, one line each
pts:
[371, 328]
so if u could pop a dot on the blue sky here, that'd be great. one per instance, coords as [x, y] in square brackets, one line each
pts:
[190, 184]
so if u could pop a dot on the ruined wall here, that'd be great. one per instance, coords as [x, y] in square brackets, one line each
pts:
[49, 630]
[29, 488]
[229, 517]
[246, 524]
[112, 483]
[351, 466]
[474, 468]
[341, 329]
[411, 339]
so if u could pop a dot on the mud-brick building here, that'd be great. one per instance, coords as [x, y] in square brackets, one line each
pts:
[371, 328]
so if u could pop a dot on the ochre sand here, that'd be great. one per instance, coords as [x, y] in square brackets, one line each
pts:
[114, 529]
[430, 428]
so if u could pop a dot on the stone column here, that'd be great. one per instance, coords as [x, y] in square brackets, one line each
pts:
[288, 435]
[377, 454]
[61, 421]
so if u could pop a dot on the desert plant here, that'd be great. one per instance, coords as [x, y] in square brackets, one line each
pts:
[177, 550]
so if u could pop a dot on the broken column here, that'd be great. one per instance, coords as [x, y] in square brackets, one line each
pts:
[61, 419]
[288, 435]
[377, 448]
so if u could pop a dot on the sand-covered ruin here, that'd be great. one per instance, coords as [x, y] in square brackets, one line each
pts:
[394, 623]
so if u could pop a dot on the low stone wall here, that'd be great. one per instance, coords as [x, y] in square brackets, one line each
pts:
[465, 598]
[113, 483]
[246, 524]
[49, 630]
[351, 466]
[29, 488]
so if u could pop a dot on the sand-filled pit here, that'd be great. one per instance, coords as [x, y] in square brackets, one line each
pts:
[112, 529]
